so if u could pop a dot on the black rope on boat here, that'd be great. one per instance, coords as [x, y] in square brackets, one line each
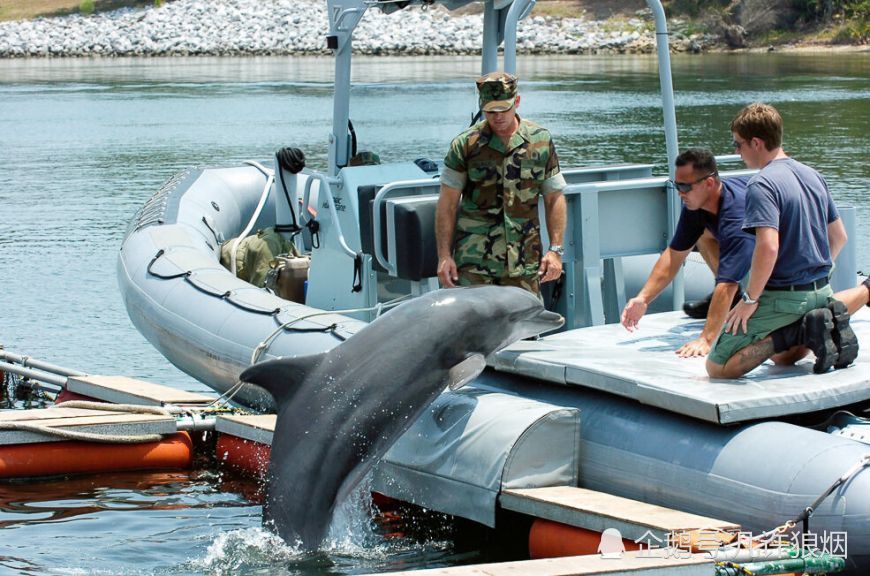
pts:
[804, 517]
[228, 297]
[357, 273]
[160, 253]
[330, 328]
[210, 229]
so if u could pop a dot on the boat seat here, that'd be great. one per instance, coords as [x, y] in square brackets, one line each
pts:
[410, 228]
[407, 232]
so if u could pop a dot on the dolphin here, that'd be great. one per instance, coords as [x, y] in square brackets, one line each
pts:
[339, 412]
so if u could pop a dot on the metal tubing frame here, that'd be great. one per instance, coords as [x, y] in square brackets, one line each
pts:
[489, 52]
[519, 9]
[27, 361]
[666, 84]
[343, 16]
[33, 374]
[325, 188]
[376, 216]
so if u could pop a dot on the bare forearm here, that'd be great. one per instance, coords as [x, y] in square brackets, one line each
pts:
[556, 212]
[837, 237]
[445, 220]
[723, 296]
[763, 259]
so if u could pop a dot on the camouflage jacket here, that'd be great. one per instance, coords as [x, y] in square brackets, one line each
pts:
[497, 228]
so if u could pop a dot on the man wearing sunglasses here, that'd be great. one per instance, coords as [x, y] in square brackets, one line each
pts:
[788, 305]
[711, 207]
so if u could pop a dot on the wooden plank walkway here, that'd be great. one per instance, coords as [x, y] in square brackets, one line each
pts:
[630, 564]
[256, 428]
[124, 390]
[81, 420]
[598, 511]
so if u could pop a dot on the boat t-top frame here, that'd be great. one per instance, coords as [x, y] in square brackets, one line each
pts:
[500, 20]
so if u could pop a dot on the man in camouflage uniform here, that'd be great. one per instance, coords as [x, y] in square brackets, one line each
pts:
[493, 175]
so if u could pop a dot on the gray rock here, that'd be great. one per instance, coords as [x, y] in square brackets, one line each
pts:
[199, 27]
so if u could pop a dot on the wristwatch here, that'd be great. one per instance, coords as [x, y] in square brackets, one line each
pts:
[747, 299]
[557, 248]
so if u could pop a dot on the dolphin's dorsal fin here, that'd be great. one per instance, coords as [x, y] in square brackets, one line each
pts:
[281, 377]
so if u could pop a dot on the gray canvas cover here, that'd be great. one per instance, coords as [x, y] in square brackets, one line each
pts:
[642, 365]
[472, 443]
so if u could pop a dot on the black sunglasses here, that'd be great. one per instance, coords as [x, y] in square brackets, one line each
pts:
[686, 186]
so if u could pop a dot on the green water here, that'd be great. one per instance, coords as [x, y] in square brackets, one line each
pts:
[83, 143]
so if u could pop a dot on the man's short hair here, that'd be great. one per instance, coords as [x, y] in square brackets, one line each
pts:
[759, 120]
[701, 160]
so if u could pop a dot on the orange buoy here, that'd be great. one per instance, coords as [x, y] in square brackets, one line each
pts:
[553, 540]
[53, 458]
[244, 455]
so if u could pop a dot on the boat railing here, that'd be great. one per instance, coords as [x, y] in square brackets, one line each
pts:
[325, 190]
[597, 238]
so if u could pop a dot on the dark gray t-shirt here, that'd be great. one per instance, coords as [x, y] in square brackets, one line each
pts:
[735, 245]
[794, 199]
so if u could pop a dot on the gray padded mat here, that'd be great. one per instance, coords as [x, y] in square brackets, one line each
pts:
[642, 365]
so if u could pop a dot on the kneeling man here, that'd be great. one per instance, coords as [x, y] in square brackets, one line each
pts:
[713, 205]
[788, 305]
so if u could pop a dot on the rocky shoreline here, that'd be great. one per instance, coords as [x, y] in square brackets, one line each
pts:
[298, 27]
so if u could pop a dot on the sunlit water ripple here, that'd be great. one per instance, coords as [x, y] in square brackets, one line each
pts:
[85, 142]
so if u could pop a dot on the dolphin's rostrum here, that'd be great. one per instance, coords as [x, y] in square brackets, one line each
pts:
[340, 411]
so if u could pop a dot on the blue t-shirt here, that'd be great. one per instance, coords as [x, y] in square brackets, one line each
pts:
[735, 245]
[794, 199]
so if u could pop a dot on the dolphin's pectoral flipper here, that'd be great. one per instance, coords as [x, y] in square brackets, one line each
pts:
[466, 371]
[281, 377]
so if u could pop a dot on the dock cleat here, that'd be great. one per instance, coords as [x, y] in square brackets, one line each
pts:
[817, 330]
[843, 335]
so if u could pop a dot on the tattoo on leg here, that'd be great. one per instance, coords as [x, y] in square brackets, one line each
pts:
[751, 356]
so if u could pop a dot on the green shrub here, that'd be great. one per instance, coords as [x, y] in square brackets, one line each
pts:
[86, 7]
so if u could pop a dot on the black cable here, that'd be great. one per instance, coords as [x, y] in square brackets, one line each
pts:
[292, 160]
[357, 273]
[352, 138]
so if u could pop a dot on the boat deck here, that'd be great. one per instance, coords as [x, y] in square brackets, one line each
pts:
[642, 365]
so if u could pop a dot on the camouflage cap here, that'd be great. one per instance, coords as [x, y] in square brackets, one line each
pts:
[498, 91]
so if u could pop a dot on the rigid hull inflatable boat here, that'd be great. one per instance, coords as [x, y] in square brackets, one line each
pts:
[623, 415]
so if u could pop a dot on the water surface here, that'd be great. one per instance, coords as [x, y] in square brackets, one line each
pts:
[84, 142]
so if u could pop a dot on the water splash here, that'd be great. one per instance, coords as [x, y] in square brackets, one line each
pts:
[245, 550]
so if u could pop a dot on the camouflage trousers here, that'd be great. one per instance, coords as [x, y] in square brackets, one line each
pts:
[472, 276]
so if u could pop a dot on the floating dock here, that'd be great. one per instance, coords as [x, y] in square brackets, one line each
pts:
[569, 525]
[638, 563]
